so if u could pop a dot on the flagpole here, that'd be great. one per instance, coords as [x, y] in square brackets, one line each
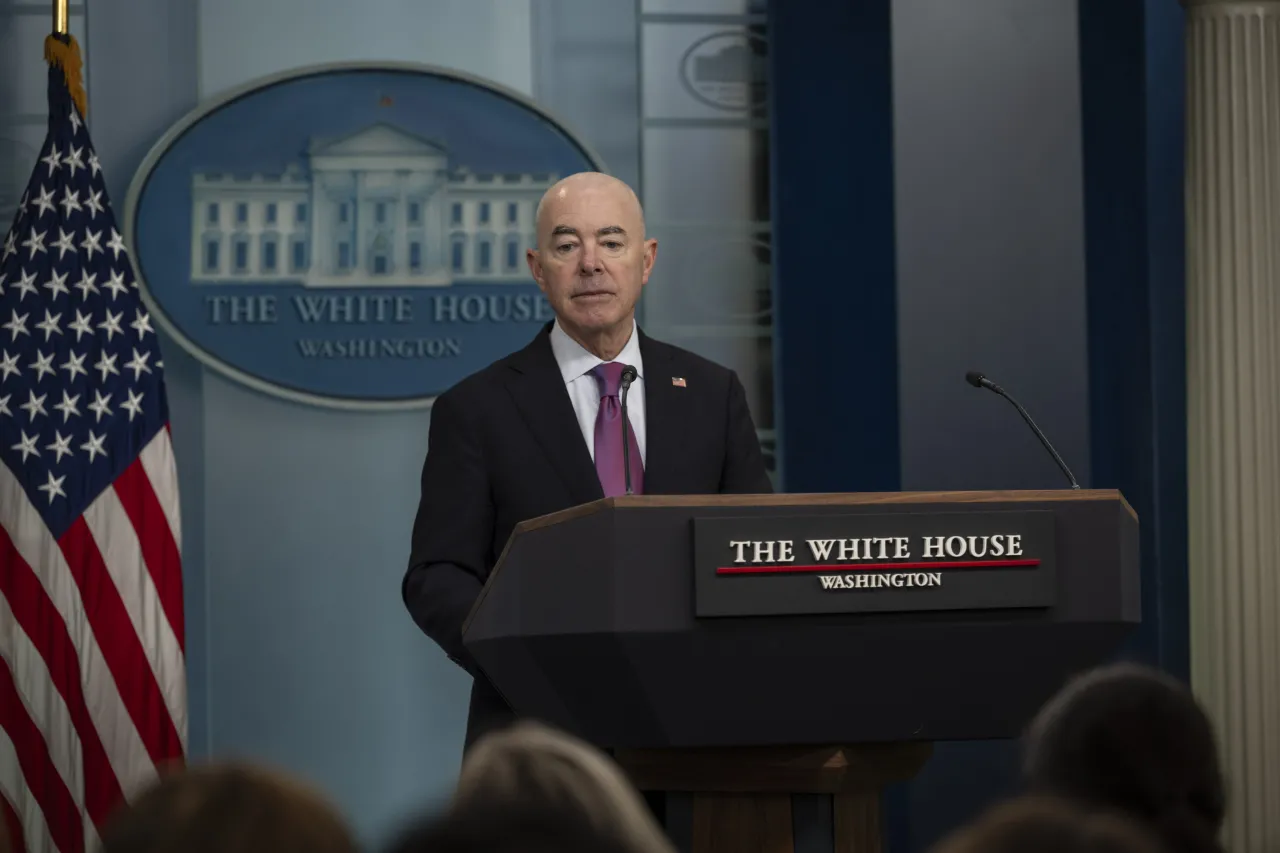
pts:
[60, 17]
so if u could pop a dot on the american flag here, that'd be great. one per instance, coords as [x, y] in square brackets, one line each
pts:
[92, 679]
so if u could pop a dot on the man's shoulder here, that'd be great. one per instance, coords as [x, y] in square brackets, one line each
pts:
[686, 364]
[484, 381]
[476, 386]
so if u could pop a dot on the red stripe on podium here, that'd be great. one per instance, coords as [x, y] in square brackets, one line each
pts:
[878, 567]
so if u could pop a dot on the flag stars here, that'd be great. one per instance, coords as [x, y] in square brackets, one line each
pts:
[106, 365]
[53, 488]
[92, 243]
[49, 325]
[68, 406]
[111, 325]
[116, 285]
[70, 201]
[101, 405]
[69, 381]
[26, 284]
[61, 446]
[81, 326]
[42, 365]
[34, 242]
[17, 325]
[34, 405]
[94, 202]
[53, 159]
[74, 159]
[133, 404]
[94, 446]
[8, 365]
[27, 446]
[139, 364]
[73, 365]
[116, 244]
[44, 202]
[65, 243]
[57, 284]
[87, 284]
[142, 324]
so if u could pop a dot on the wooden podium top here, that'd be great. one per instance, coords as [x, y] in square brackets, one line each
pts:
[827, 499]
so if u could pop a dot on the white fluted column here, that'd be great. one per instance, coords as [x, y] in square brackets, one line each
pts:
[1233, 391]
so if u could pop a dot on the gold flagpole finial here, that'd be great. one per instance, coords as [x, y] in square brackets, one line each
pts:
[60, 24]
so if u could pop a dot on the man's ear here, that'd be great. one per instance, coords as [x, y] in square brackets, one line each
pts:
[535, 268]
[650, 256]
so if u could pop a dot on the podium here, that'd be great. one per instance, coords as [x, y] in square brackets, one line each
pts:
[746, 648]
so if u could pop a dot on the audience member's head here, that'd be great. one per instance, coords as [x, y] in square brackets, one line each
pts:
[501, 826]
[1135, 740]
[227, 808]
[536, 766]
[1049, 825]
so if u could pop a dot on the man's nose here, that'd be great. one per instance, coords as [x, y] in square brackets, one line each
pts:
[590, 263]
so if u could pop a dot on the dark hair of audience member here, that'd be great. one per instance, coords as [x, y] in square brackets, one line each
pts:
[1132, 739]
[228, 808]
[503, 826]
[1049, 825]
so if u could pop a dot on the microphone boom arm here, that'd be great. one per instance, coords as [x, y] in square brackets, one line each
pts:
[1040, 435]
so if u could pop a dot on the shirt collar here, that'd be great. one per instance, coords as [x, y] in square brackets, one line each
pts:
[574, 360]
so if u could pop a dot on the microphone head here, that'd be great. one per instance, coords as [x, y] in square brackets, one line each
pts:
[974, 378]
[629, 375]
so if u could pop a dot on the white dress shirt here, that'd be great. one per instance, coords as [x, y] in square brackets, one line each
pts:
[576, 365]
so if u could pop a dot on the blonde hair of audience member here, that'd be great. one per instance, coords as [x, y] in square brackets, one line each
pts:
[1036, 824]
[226, 808]
[533, 764]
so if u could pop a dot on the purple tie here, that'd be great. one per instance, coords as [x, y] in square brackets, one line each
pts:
[609, 464]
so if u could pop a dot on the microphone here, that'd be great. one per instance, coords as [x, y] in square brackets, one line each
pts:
[977, 380]
[628, 376]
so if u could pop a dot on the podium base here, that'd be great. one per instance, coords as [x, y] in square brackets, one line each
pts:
[759, 823]
[742, 797]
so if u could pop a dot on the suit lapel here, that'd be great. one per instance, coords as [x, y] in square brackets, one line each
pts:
[540, 394]
[665, 420]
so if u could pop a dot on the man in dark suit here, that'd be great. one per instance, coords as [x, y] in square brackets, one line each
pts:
[540, 430]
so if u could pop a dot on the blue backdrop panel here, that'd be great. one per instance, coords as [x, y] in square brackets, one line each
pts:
[832, 156]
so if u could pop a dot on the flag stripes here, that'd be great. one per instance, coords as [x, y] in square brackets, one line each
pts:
[33, 613]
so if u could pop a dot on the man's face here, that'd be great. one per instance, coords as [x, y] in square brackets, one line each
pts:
[592, 259]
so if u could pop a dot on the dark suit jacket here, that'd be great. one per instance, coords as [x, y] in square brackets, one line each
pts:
[505, 446]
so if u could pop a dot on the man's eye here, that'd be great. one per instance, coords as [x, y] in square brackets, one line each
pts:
[612, 244]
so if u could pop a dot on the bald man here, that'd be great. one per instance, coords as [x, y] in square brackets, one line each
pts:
[541, 430]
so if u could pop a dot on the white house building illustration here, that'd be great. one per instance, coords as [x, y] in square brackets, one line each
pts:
[380, 207]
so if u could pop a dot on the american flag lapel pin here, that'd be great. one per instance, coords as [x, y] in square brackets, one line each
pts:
[678, 381]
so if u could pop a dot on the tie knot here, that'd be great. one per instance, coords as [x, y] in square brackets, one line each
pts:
[609, 377]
